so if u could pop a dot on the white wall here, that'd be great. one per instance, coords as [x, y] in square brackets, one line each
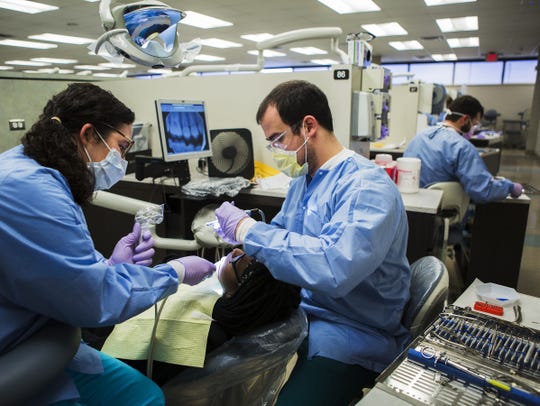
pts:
[508, 100]
[232, 100]
[23, 99]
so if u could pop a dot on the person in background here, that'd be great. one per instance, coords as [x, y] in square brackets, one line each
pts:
[447, 156]
[341, 235]
[49, 268]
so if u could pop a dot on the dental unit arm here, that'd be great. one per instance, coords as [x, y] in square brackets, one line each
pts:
[277, 40]
[131, 206]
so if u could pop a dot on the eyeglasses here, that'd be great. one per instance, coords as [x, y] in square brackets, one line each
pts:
[233, 262]
[124, 149]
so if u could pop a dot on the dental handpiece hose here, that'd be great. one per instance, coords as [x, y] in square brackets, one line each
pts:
[455, 370]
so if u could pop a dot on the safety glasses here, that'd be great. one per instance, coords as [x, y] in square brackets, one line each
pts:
[275, 142]
[233, 262]
[124, 148]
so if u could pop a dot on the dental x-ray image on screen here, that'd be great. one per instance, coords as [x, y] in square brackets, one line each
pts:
[183, 130]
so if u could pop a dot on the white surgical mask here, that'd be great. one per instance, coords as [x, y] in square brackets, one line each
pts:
[287, 163]
[109, 171]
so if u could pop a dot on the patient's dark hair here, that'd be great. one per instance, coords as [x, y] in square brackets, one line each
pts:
[260, 299]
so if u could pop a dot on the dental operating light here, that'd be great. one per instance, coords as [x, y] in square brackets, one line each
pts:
[145, 32]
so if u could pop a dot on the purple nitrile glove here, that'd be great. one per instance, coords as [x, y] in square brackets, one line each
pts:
[196, 269]
[144, 252]
[124, 249]
[229, 216]
[516, 190]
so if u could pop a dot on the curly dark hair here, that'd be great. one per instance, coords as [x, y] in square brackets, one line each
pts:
[260, 299]
[55, 144]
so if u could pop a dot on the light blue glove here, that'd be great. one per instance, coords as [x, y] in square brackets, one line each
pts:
[516, 190]
[129, 251]
[229, 216]
[196, 269]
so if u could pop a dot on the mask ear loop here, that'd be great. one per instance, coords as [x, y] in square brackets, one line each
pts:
[87, 154]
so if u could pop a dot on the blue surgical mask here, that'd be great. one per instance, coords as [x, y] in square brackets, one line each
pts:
[109, 171]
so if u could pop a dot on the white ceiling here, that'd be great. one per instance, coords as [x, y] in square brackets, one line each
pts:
[511, 28]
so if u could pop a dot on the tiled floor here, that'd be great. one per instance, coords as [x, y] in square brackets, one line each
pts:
[525, 168]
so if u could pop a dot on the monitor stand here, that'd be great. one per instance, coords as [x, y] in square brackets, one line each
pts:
[152, 167]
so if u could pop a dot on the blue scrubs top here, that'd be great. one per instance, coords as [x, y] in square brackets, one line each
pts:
[447, 156]
[49, 268]
[343, 239]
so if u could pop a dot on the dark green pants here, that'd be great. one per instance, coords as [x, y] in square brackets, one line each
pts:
[324, 381]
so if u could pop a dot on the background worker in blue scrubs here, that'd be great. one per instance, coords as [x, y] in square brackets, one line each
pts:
[447, 156]
[341, 235]
[49, 268]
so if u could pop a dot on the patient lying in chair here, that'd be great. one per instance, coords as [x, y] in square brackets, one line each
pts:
[240, 297]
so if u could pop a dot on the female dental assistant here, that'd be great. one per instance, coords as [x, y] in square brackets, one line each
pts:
[49, 268]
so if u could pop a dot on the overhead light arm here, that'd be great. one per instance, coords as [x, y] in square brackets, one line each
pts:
[107, 18]
[131, 206]
[277, 40]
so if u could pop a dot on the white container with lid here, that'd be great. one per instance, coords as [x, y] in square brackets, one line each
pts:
[408, 175]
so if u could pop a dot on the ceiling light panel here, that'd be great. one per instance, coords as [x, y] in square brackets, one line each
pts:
[203, 21]
[90, 67]
[463, 42]
[267, 53]
[350, 6]
[385, 30]
[208, 58]
[6, 67]
[26, 63]
[324, 61]
[55, 60]
[64, 39]
[29, 7]
[445, 2]
[257, 37]
[159, 71]
[444, 57]
[27, 44]
[458, 24]
[309, 51]
[405, 45]
[219, 43]
[55, 70]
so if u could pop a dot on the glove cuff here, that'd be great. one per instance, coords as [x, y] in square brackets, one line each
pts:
[180, 269]
[243, 228]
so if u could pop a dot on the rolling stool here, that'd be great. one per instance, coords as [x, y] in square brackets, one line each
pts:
[205, 235]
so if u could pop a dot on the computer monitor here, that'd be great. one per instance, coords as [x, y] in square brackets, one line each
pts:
[183, 130]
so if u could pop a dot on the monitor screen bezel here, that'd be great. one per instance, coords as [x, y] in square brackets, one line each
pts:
[167, 157]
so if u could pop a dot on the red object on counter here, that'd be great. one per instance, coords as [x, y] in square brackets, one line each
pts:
[489, 308]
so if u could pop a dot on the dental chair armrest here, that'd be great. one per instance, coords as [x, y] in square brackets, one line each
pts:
[33, 364]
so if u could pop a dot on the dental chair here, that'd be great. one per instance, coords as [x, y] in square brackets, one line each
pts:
[33, 365]
[246, 370]
[454, 205]
[429, 293]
